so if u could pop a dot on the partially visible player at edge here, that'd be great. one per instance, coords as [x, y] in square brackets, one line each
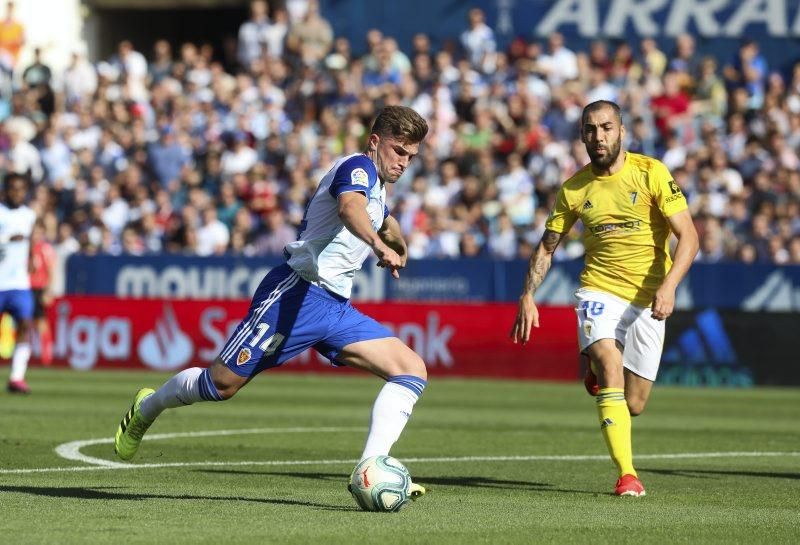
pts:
[42, 263]
[16, 298]
[305, 302]
[629, 206]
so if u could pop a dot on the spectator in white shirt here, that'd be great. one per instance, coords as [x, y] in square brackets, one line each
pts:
[134, 66]
[560, 64]
[253, 33]
[213, 236]
[117, 211]
[515, 189]
[503, 242]
[479, 42]
[240, 158]
[56, 157]
[80, 79]
[275, 34]
[23, 156]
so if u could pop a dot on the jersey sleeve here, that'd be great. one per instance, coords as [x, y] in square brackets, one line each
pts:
[356, 174]
[668, 196]
[385, 211]
[562, 216]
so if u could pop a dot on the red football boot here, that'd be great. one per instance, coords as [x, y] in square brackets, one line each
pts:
[629, 485]
[18, 387]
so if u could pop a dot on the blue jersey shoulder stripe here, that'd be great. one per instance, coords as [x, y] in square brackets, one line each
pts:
[355, 174]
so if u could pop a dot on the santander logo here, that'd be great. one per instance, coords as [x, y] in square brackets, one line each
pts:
[166, 347]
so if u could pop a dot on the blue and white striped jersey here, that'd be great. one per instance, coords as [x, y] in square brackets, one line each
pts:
[326, 253]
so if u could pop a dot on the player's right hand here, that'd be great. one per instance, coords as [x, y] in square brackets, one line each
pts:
[527, 317]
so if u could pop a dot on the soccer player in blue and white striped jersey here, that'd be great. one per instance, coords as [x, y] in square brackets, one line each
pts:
[305, 303]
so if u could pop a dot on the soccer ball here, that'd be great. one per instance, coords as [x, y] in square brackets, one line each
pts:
[380, 483]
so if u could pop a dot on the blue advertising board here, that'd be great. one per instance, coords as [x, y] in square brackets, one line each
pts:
[725, 286]
[718, 24]
[166, 276]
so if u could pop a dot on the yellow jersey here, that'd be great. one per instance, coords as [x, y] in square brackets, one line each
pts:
[626, 232]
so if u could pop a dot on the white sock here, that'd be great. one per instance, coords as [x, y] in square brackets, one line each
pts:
[390, 413]
[19, 361]
[187, 387]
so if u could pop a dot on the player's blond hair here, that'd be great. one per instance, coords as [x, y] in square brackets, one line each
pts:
[402, 123]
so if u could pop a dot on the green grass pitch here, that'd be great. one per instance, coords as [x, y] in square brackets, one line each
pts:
[504, 462]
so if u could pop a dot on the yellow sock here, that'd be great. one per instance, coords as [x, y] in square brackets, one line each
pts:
[615, 424]
[7, 336]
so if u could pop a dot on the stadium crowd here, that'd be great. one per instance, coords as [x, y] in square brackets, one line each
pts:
[204, 152]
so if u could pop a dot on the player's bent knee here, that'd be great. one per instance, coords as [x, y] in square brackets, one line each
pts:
[226, 389]
[603, 352]
[636, 406]
[412, 364]
[225, 381]
[226, 393]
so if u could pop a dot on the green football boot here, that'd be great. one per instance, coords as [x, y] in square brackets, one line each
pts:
[132, 427]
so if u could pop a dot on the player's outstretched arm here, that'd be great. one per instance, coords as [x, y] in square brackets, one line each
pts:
[353, 213]
[685, 252]
[392, 235]
[527, 313]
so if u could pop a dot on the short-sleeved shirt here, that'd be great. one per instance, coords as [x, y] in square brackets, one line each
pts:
[17, 224]
[626, 232]
[326, 253]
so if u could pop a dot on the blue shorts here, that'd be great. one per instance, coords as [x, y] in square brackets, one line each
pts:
[18, 303]
[289, 315]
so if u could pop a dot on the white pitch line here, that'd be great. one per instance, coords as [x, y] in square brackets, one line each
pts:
[72, 450]
[449, 459]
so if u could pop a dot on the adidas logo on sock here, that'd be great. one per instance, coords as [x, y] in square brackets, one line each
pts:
[606, 423]
[587, 205]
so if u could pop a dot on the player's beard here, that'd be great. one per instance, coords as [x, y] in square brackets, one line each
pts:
[603, 162]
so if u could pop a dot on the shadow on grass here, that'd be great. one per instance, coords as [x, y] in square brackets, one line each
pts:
[111, 493]
[465, 481]
[710, 473]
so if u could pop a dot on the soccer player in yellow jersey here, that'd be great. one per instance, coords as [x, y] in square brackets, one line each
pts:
[629, 206]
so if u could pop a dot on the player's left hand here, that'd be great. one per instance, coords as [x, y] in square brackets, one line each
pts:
[395, 273]
[388, 258]
[663, 303]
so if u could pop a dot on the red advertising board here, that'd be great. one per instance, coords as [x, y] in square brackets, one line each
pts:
[453, 339]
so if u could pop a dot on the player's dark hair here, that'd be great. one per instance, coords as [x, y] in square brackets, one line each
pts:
[402, 123]
[599, 105]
